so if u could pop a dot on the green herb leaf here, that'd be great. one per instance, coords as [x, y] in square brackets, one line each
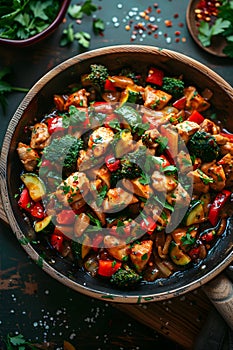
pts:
[83, 38]
[101, 195]
[98, 26]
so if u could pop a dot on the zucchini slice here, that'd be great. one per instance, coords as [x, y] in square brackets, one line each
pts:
[195, 214]
[44, 225]
[178, 256]
[34, 185]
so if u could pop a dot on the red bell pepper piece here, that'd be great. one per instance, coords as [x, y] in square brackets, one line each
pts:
[217, 205]
[55, 124]
[66, 217]
[165, 161]
[180, 103]
[196, 117]
[96, 241]
[148, 225]
[25, 201]
[109, 86]
[194, 253]
[155, 76]
[56, 241]
[102, 107]
[112, 163]
[108, 267]
[46, 163]
[37, 210]
[229, 136]
[208, 237]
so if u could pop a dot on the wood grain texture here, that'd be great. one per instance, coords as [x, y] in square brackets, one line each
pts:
[180, 319]
[220, 293]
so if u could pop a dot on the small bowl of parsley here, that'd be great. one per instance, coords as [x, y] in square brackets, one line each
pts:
[26, 22]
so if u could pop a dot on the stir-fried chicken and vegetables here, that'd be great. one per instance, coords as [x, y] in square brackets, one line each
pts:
[129, 177]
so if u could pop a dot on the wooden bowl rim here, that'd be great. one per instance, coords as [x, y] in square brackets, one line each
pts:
[92, 292]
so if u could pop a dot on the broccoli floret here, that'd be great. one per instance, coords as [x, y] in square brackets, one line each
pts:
[98, 75]
[64, 151]
[204, 146]
[128, 170]
[173, 86]
[131, 166]
[125, 278]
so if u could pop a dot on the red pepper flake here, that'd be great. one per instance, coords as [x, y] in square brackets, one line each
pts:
[177, 40]
[177, 32]
[168, 23]
[180, 24]
[158, 11]
[156, 36]
[176, 15]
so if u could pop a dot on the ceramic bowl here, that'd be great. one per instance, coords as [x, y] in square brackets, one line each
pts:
[42, 35]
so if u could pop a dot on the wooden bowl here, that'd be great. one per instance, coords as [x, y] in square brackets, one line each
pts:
[39, 101]
[42, 35]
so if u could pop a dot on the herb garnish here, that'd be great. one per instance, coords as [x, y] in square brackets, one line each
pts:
[6, 88]
[23, 19]
[223, 25]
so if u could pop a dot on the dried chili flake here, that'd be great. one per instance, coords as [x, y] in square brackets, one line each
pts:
[168, 23]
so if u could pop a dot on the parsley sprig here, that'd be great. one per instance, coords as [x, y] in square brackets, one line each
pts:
[77, 12]
[6, 87]
[25, 18]
[223, 25]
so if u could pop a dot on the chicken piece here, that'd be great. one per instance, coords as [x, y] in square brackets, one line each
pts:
[194, 100]
[184, 162]
[116, 247]
[28, 156]
[179, 196]
[201, 182]
[73, 189]
[155, 99]
[220, 139]
[227, 148]
[210, 127]
[227, 163]
[40, 137]
[104, 175]
[99, 140]
[86, 160]
[161, 216]
[78, 99]
[162, 182]
[186, 129]
[137, 188]
[216, 172]
[140, 254]
[117, 199]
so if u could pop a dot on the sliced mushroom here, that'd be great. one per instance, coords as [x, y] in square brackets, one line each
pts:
[81, 224]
